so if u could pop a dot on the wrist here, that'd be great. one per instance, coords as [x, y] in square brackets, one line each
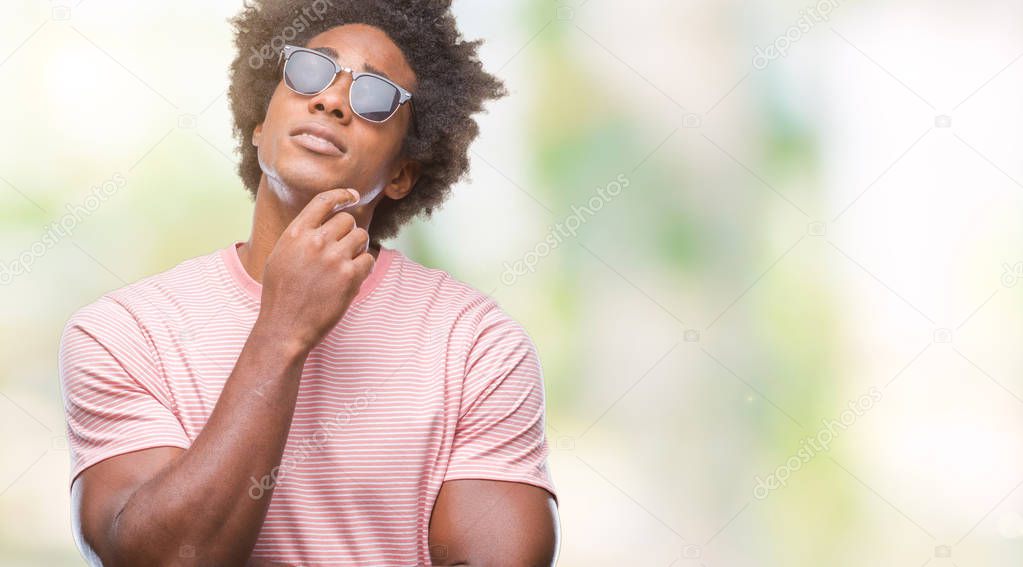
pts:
[269, 338]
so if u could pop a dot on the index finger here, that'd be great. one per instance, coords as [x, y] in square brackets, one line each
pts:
[314, 213]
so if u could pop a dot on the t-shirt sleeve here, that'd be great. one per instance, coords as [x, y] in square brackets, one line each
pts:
[500, 430]
[115, 398]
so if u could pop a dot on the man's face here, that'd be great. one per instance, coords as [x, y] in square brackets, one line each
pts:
[370, 156]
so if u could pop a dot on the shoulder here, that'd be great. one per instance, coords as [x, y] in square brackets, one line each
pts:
[466, 306]
[153, 299]
[474, 321]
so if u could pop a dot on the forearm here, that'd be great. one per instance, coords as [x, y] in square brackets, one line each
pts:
[200, 507]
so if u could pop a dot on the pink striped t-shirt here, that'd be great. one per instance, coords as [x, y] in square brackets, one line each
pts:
[424, 380]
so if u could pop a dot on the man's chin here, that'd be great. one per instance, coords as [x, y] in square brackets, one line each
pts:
[306, 183]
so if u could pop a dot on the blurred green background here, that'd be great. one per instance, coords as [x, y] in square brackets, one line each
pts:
[784, 328]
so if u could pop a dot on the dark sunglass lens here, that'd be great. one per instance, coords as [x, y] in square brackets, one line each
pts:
[373, 98]
[308, 73]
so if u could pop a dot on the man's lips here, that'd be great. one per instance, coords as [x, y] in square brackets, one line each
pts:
[318, 138]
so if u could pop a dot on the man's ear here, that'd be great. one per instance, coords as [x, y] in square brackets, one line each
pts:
[257, 134]
[403, 180]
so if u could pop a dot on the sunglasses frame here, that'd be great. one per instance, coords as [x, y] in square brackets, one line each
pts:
[404, 95]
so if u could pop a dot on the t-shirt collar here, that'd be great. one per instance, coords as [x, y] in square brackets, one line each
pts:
[254, 289]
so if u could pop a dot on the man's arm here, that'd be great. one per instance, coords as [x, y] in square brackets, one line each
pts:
[486, 523]
[168, 505]
[163, 505]
[497, 505]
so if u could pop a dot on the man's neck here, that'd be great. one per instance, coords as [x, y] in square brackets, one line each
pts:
[270, 217]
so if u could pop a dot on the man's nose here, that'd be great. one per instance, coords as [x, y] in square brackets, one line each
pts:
[334, 100]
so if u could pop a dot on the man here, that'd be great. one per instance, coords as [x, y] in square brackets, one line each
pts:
[310, 397]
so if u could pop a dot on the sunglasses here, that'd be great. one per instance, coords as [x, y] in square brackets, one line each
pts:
[372, 97]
